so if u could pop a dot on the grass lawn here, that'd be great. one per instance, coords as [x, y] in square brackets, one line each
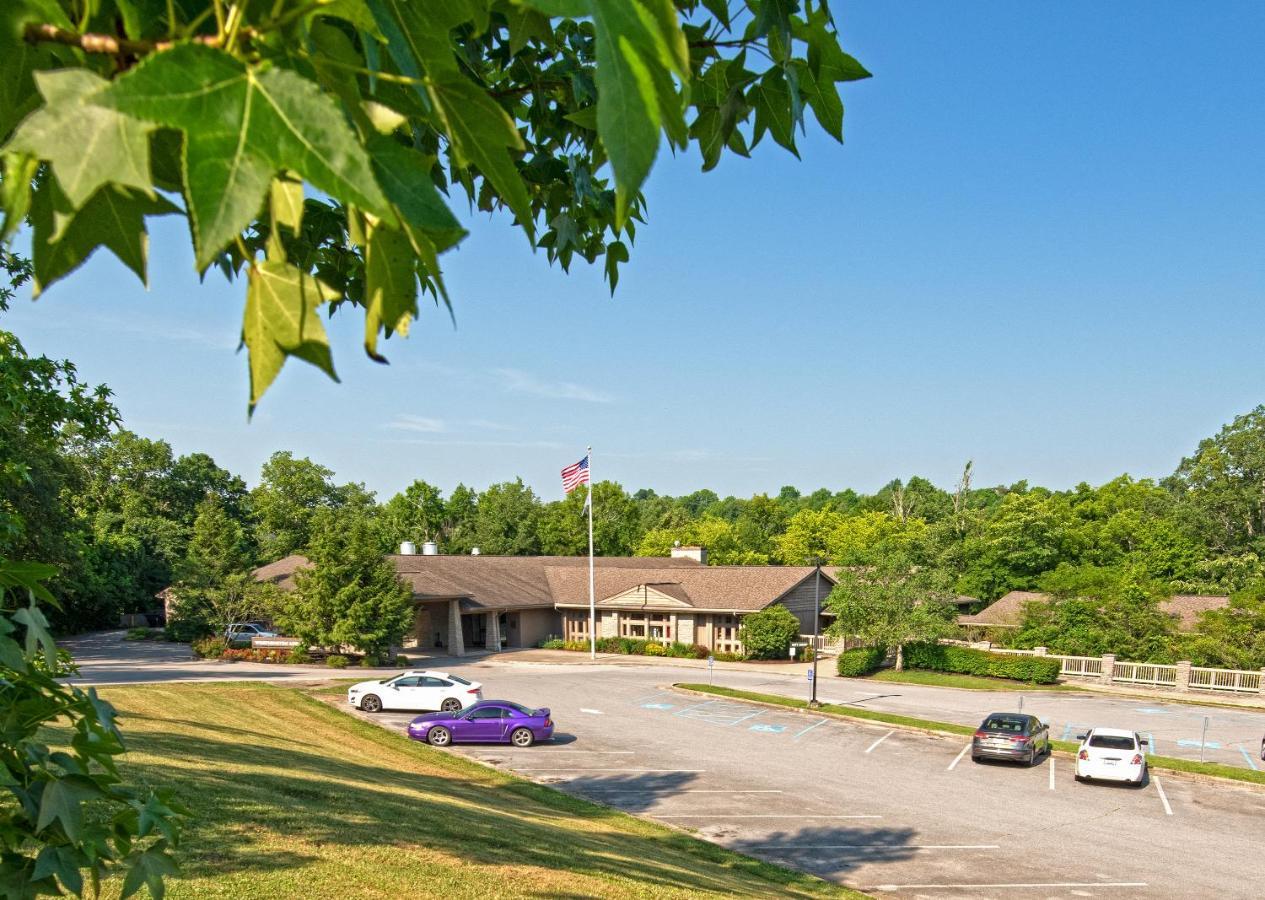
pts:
[294, 798]
[967, 682]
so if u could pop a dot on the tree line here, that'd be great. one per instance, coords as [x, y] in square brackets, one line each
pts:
[123, 516]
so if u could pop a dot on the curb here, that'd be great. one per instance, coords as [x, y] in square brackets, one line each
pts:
[1196, 777]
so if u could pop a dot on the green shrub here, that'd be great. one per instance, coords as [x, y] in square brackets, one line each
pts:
[186, 630]
[336, 661]
[728, 657]
[578, 646]
[401, 662]
[768, 634]
[298, 657]
[140, 634]
[965, 661]
[207, 647]
[557, 644]
[861, 661]
[654, 649]
[368, 661]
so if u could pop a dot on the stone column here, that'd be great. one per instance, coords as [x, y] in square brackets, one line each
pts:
[1108, 668]
[608, 624]
[455, 643]
[1040, 651]
[1261, 686]
[492, 632]
[1183, 676]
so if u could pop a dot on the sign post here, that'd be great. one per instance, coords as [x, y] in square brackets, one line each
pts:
[1203, 739]
[711, 664]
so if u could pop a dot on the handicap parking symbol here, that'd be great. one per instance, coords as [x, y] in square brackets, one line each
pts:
[770, 729]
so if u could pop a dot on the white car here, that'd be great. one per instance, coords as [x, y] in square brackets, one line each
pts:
[245, 632]
[426, 691]
[1111, 754]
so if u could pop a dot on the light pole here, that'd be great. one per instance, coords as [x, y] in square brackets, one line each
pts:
[812, 699]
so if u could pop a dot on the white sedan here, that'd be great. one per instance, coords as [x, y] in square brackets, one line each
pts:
[1111, 754]
[424, 691]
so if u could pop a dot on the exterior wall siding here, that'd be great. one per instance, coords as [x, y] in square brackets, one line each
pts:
[534, 626]
[799, 600]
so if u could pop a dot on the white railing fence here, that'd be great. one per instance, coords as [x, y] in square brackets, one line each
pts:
[1109, 670]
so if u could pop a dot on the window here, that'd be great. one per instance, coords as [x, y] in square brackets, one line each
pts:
[487, 712]
[458, 679]
[1112, 742]
[410, 681]
[434, 682]
[1005, 723]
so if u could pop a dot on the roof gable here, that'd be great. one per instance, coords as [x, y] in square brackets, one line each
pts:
[662, 595]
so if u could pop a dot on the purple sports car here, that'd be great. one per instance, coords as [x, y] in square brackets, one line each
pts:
[490, 721]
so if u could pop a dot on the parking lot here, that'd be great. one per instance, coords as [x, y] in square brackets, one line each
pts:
[887, 811]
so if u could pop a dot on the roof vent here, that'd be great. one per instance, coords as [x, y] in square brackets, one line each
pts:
[475, 551]
[430, 548]
[408, 548]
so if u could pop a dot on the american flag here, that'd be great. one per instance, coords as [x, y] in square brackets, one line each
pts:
[575, 474]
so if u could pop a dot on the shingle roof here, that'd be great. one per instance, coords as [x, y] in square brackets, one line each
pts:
[1187, 608]
[740, 588]
[282, 571]
[1008, 611]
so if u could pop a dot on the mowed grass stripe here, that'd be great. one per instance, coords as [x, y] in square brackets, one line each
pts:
[293, 798]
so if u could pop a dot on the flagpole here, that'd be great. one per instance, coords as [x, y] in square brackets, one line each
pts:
[592, 601]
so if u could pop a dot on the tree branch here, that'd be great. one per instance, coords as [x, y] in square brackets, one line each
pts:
[114, 46]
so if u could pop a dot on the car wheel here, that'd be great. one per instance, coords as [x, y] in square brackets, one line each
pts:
[371, 704]
[1032, 757]
[975, 759]
[451, 705]
[522, 737]
[439, 736]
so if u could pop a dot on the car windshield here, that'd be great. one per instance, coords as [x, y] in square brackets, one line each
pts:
[1112, 742]
[458, 679]
[1007, 724]
[392, 679]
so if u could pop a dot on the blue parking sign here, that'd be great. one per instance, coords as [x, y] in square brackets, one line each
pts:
[810, 674]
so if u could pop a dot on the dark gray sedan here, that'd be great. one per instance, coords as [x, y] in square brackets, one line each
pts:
[1015, 736]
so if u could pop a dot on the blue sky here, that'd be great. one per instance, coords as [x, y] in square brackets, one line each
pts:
[1042, 248]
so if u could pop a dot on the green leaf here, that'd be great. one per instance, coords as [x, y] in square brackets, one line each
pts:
[242, 124]
[772, 101]
[87, 145]
[63, 862]
[482, 134]
[114, 217]
[148, 868]
[61, 801]
[287, 202]
[15, 191]
[390, 286]
[404, 176]
[638, 42]
[418, 36]
[356, 12]
[570, 9]
[823, 99]
[616, 253]
[281, 321]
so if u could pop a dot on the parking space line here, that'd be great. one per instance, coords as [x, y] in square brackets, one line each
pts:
[681, 712]
[800, 734]
[755, 816]
[1247, 756]
[682, 791]
[1168, 810]
[880, 740]
[1050, 762]
[602, 769]
[883, 848]
[743, 719]
[1049, 884]
[957, 759]
[550, 752]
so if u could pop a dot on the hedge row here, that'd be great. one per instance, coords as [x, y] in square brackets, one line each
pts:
[861, 661]
[636, 647]
[964, 661]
